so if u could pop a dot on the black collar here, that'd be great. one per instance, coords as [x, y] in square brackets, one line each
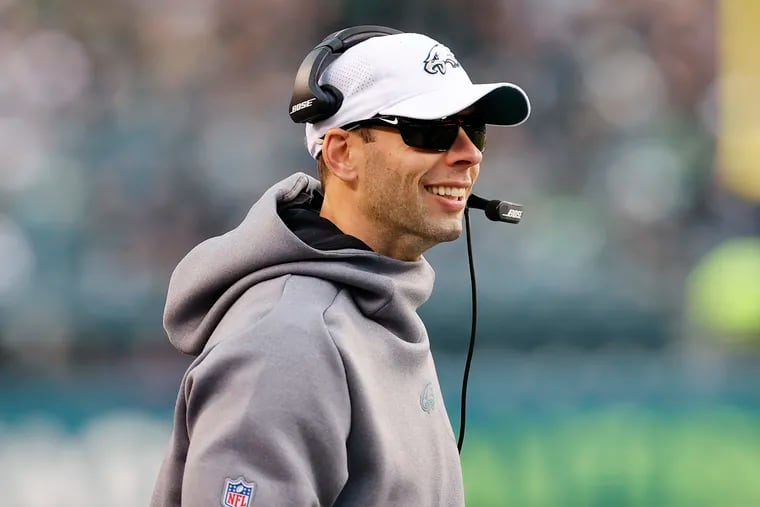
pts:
[302, 217]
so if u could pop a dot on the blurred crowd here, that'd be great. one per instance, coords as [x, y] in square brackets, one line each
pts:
[130, 130]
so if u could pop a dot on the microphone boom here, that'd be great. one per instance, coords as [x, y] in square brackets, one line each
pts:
[498, 211]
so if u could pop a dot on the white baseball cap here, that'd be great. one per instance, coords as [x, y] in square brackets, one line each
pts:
[413, 76]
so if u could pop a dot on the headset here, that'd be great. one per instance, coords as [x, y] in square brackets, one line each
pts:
[312, 102]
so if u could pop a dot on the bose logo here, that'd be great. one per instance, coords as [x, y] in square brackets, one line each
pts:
[302, 105]
[513, 213]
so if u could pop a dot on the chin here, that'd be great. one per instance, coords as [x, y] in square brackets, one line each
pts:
[448, 234]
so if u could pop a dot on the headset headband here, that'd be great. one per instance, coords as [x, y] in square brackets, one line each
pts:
[311, 102]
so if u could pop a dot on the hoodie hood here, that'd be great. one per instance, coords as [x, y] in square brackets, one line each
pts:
[218, 271]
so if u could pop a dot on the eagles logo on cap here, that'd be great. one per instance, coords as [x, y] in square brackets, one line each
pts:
[437, 58]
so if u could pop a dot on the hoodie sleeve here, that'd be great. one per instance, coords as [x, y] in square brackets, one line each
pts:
[269, 410]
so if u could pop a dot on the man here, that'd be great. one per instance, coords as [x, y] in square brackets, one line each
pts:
[313, 383]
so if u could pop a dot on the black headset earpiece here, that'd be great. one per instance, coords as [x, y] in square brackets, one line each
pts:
[311, 102]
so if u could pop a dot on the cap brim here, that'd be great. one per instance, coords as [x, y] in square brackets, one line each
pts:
[497, 103]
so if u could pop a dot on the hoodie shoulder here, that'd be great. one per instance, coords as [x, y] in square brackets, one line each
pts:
[250, 403]
[282, 305]
[270, 340]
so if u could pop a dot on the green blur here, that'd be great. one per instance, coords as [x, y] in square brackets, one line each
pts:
[616, 457]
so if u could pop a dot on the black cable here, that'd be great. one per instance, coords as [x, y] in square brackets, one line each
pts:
[463, 415]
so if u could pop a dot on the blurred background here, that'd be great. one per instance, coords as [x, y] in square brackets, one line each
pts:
[618, 357]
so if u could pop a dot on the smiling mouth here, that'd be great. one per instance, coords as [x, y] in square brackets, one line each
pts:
[453, 193]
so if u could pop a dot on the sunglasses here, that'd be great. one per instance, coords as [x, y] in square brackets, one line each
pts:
[430, 135]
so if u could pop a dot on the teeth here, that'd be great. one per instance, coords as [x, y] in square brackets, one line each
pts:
[448, 191]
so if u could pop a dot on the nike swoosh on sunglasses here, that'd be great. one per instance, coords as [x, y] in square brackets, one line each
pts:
[430, 135]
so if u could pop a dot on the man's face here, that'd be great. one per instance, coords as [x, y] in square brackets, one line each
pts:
[400, 189]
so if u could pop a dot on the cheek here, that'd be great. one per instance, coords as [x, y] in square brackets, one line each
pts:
[396, 166]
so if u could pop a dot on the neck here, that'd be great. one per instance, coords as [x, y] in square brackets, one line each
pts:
[346, 215]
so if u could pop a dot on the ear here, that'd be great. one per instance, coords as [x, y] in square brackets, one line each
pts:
[336, 153]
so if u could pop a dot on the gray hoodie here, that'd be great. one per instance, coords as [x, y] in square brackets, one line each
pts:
[313, 383]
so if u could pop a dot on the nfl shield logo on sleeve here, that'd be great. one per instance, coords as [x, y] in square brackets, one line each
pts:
[238, 493]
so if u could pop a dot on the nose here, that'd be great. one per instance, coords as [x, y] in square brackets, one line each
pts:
[463, 153]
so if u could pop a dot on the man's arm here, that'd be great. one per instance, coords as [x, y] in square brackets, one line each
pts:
[269, 409]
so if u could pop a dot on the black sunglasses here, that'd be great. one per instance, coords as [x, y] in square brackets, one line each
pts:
[431, 135]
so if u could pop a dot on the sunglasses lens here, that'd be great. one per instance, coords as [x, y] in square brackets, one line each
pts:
[477, 134]
[428, 136]
[439, 136]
